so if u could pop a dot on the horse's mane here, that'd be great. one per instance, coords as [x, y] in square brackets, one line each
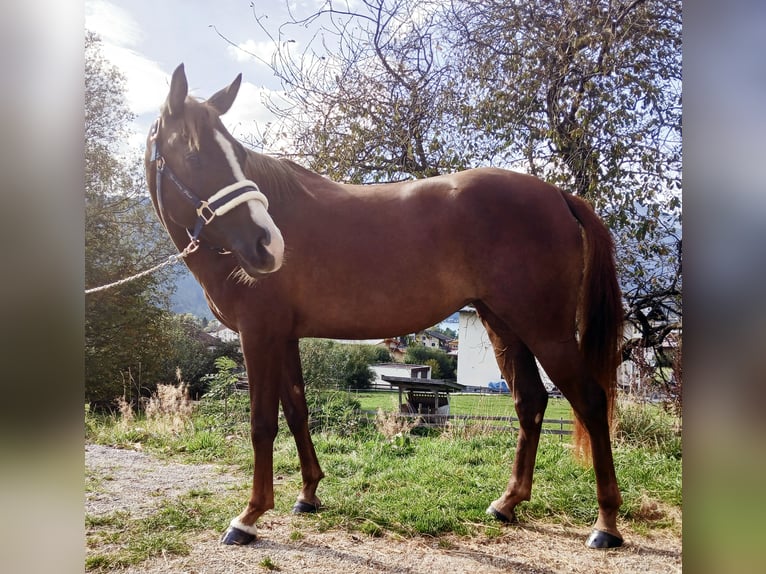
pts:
[281, 178]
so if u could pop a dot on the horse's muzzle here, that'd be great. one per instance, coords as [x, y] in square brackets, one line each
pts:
[262, 256]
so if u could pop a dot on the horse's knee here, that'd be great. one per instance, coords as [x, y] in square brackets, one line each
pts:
[263, 431]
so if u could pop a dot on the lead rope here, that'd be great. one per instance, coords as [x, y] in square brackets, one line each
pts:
[191, 248]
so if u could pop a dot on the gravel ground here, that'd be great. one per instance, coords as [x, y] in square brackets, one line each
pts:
[136, 481]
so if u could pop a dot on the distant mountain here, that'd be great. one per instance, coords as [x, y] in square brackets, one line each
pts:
[189, 297]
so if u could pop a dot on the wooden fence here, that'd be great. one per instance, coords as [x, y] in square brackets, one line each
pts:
[559, 427]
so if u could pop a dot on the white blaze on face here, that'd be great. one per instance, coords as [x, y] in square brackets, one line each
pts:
[258, 210]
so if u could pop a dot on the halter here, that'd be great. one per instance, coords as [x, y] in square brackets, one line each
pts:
[221, 202]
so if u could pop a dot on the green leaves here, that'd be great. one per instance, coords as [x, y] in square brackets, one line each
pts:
[125, 326]
[586, 95]
[327, 364]
[442, 365]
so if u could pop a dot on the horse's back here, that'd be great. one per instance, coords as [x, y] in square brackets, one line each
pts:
[490, 184]
[513, 207]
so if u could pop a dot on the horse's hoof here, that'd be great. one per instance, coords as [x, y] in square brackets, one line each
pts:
[301, 507]
[235, 536]
[601, 539]
[500, 516]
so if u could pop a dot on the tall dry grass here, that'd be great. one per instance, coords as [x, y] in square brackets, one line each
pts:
[168, 410]
[391, 424]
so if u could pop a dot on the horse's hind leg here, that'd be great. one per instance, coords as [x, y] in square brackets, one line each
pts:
[293, 399]
[530, 397]
[565, 365]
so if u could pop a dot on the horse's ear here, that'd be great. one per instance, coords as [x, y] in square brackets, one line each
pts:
[223, 99]
[179, 88]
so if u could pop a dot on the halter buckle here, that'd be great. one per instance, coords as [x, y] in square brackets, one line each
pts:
[191, 248]
[205, 212]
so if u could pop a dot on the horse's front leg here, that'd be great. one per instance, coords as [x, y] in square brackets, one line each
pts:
[293, 398]
[265, 362]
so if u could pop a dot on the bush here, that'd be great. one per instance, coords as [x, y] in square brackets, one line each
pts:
[221, 383]
[330, 365]
[336, 411]
[442, 365]
[646, 426]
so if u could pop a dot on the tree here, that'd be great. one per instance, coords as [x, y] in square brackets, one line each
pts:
[331, 365]
[587, 94]
[442, 365]
[375, 102]
[125, 326]
[190, 350]
[582, 93]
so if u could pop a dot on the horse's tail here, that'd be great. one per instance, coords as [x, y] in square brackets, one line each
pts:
[600, 313]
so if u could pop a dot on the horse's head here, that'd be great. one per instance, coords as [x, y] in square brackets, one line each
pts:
[195, 172]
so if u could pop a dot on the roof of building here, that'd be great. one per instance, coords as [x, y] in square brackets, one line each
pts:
[414, 384]
[437, 335]
[400, 365]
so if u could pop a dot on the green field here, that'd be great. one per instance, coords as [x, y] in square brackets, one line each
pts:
[495, 405]
[465, 404]
[379, 480]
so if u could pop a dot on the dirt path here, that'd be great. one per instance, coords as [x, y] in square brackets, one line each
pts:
[138, 482]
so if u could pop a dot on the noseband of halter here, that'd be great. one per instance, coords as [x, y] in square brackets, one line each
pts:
[221, 202]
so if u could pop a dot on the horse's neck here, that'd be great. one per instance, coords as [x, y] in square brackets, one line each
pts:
[204, 263]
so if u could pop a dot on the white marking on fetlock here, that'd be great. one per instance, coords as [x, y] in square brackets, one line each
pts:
[250, 529]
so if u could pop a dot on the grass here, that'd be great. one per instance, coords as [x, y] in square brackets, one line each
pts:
[500, 405]
[118, 540]
[445, 485]
[387, 478]
[487, 405]
[268, 564]
[461, 404]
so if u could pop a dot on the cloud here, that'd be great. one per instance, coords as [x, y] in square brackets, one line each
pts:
[112, 23]
[147, 83]
[250, 50]
[125, 39]
[248, 115]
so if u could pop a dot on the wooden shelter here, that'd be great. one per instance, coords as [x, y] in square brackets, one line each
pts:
[424, 396]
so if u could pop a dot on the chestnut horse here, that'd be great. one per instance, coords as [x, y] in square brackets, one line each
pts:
[284, 253]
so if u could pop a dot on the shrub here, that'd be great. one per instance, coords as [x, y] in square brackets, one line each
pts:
[442, 365]
[647, 427]
[221, 383]
[330, 365]
[390, 424]
[336, 411]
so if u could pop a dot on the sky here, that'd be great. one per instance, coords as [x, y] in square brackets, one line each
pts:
[147, 39]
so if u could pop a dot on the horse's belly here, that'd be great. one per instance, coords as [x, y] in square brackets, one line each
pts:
[379, 316]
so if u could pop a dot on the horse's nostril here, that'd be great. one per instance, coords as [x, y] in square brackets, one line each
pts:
[265, 240]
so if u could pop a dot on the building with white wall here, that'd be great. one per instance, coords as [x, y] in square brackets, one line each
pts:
[476, 363]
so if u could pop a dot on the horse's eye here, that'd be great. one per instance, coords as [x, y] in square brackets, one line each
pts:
[193, 160]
